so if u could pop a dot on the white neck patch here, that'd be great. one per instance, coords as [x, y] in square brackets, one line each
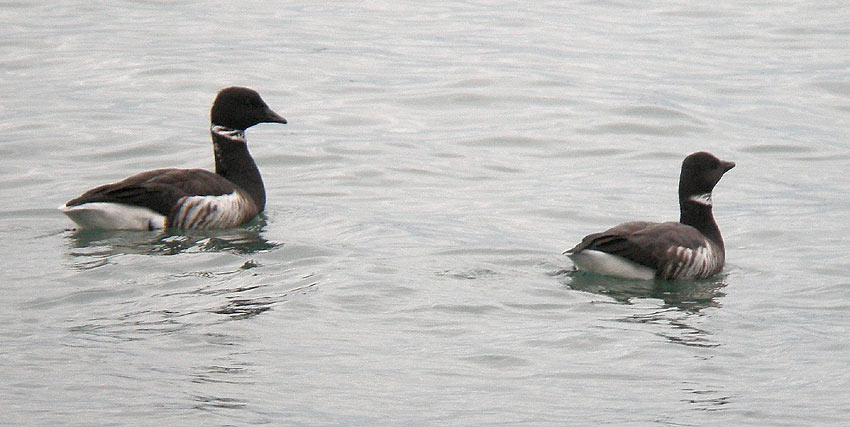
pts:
[231, 134]
[703, 199]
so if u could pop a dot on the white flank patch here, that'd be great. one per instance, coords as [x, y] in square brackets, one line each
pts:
[113, 216]
[611, 265]
[225, 211]
[703, 199]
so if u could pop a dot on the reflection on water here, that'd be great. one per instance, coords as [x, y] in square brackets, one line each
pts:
[134, 326]
[674, 321]
[245, 308]
[673, 325]
[166, 317]
[706, 398]
[94, 248]
[211, 402]
[691, 295]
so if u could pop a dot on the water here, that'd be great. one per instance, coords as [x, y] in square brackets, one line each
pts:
[437, 161]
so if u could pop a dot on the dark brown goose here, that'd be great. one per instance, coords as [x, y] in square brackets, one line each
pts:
[689, 249]
[189, 198]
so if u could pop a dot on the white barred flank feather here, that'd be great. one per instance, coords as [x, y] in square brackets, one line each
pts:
[686, 263]
[204, 212]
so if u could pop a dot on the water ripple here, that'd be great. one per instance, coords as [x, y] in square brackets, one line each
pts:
[439, 156]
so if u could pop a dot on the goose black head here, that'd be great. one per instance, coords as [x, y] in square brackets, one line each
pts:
[701, 171]
[240, 108]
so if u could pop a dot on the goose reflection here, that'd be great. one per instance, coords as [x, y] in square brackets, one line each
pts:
[676, 320]
[92, 248]
[691, 295]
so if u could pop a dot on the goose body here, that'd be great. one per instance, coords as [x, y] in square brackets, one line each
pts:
[189, 198]
[689, 249]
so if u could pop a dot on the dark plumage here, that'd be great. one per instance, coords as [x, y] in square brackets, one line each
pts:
[688, 249]
[189, 198]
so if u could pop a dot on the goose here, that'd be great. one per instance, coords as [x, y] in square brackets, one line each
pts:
[689, 249]
[189, 198]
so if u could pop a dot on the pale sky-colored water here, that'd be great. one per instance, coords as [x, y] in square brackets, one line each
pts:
[437, 161]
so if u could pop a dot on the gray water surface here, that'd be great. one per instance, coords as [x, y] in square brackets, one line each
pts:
[437, 161]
